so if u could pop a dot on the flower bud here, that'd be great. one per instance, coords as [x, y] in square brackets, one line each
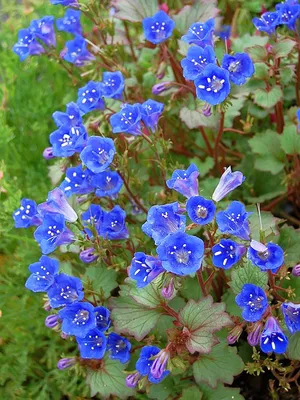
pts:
[160, 87]
[164, 7]
[48, 153]
[234, 334]
[206, 110]
[296, 270]
[87, 256]
[159, 365]
[132, 380]
[168, 291]
[66, 363]
[47, 306]
[51, 321]
[64, 335]
[254, 335]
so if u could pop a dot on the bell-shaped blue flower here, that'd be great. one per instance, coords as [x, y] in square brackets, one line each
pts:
[180, 253]
[42, 274]
[151, 111]
[65, 142]
[213, 84]
[163, 220]
[119, 348]
[90, 97]
[102, 318]
[93, 217]
[272, 338]
[93, 345]
[158, 28]
[268, 22]
[107, 183]
[70, 22]
[291, 313]
[201, 34]
[78, 319]
[269, 257]
[27, 215]
[77, 181]
[27, 45]
[196, 60]
[69, 119]
[185, 182]
[289, 13]
[57, 203]
[65, 290]
[65, 3]
[113, 85]
[144, 269]
[145, 362]
[44, 30]
[128, 120]
[228, 182]
[253, 302]
[200, 210]
[240, 67]
[227, 253]
[76, 52]
[98, 153]
[234, 220]
[113, 225]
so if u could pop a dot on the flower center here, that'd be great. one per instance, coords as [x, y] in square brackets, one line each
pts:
[182, 256]
[255, 304]
[81, 317]
[263, 255]
[234, 66]
[216, 84]
[201, 212]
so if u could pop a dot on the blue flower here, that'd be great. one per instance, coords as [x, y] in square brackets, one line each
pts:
[269, 257]
[42, 274]
[185, 182]
[145, 362]
[228, 182]
[144, 269]
[102, 318]
[93, 216]
[98, 153]
[78, 319]
[65, 290]
[289, 13]
[227, 253]
[113, 85]
[69, 119]
[196, 60]
[107, 183]
[291, 313]
[119, 348]
[64, 2]
[128, 120]
[76, 52]
[70, 22]
[57, 203]
[239, 66]
[52, 233]
[272, 338]
[88, 255]
[77, 181]
[90, 97]
[234, 220]
[44, 30]
[225, 32]
[158, 28]
[200, 210]
[27, 45]
[253, 301]
[213, 84]
[180, 253]
[26, 215]
[113, 225]
[151, 111]
[163, 220]
[267, 22]
[93, 345]
[67, 141]
[201, 34]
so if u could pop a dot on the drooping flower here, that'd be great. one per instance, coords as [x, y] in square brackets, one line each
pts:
[128, 120]
[268, 22]
[254, 336]
[66, 363]
[57, 203]
[180, 253]
[289, 13]
[70, 22]
[151, 111]
[163, 220]
[26, 215]
[113, 84]
[253, 301]
[161, 87]
[159, 366]
[144, 269]
[200, 210]
[145, 362]
[158, 28]
[65, 290]
[228, 182]
[44, 30]
[227, 253]
[291, 313]
[196, 60]
[76, 52]
[269, 257]
[87, 256]
[113, 225]
[200, 33]
[185, 182]
[102, 318]
[77, 181]
[42, 274]
[98, 153]
[240, 67]
[93, 345]
[119, 348]
[234, 220]
[90, 97]
[107, 183]
[272, 338]
[27, 45]
[78, 319]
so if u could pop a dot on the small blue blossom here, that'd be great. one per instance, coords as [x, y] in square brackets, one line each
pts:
[113, 225]
[151, 111]
[76, 52]
[227, 253]
[240, 67]
[213, 84]
[272, 338]
[90, 97]
[26, 215]
[64, 2]
[200, 210]
[180, 253]
[27, 45]
[93, 345]
[57, 203]
[225, 32]
[70, 22]
[65, 290]
[93, 217]
[113, 85]
[163, 220]
[289, 13]
[52, 233]
[107, 183]
[119, 348]
[102, 318]
[234, 220]
[44, 30]
[69, 119]
[145, 362]
[228, 182]
[267, 22]
[185, 182]
[77, 181]
[196, 60]
[201, 34]
[291, 313]
[65, 142]
[269, 257]
[42, 274]
[144, 269]
[158, 28]
[78, 319]
[98, 153]
[128, 120]
[253, 301]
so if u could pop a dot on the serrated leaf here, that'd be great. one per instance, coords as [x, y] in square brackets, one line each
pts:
[134, 10]
[268, 99]
[261, 71]
[293, 350]
[248, 273]
[102, 279]
[162, 390]
[195, 118]
[269, 223]
[150, 296]
[220, 393]
[257, 53]
[202, 319]
[190, 393]
[220, 365]
[289, 240]
[290, 140]
[240, 43]
[283, 47]
[286, 75]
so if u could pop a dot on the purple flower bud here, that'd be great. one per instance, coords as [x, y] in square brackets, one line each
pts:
[160, 87]
[48, 153]
[159, 365]
[206, 110]
[254, 335]
[296, 270]
[168, 291]
[228, 182]
[51, 321]
[64, 335]
[47, 306]
[132, 380]
[87, 256]
[66, 363]
[234, 334]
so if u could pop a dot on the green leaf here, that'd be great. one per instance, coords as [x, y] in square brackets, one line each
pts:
[293, 350]
[283, 48]
[150, 296]
[231, 307]
[220, 365]
[109, 380]
[286, 75]
[203, 166]
[201, 319]
[269, 223]
[257, 53]
[102, 280]
[268, 99]
[249, 273]
[240, 43]
[290, 140]
[190, 393]
[135, 10]
[220, 393]
[234, 109]
[289, 240]
[162, 390]
[195, 118]
[261, 71]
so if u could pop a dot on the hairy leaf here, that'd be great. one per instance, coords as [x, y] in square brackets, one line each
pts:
[290, 140]
[103, 280]
[268, 99]
[135, 10]
[283, 47]
[200, 11]
[249, 273]
[293, 350]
